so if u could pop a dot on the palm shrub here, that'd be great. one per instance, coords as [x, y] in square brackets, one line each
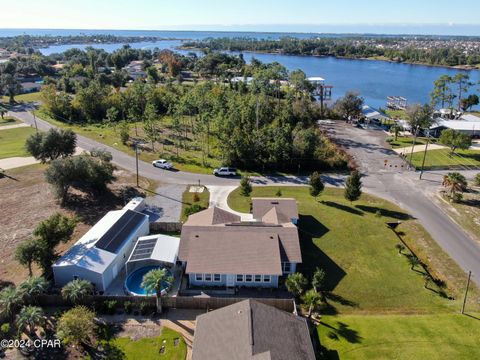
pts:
[413, 261]
[29, 318]
[32, 287]
[77, 290]
[296, 283]
[152, 283]
[10, 301]
[456, 184]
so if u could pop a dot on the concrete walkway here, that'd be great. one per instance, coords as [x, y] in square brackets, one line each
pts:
[14, 126]
[15, 162]
[219, 197]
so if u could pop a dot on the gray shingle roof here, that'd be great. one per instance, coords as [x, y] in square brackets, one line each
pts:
[250, 330]
[287, 207]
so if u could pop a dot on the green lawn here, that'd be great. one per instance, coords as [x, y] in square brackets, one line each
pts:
[12, 142]
[353, 244]
[30, 97]
[443, 159]
[188, 200]
[9, 121]
[405, 141]
[149, 348]
[401, 337]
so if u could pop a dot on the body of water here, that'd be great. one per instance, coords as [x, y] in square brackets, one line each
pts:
[374, 80]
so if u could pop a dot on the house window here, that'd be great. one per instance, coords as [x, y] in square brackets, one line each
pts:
[217, 277]
[208, 277]
[248, 278]
[287, 267]
[258, 278]
[239, 278]
[266, 278]
[199, 277]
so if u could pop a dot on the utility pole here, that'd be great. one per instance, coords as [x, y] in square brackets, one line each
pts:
[35, 121]
[466, 292]
[424, 156]
[136, 161]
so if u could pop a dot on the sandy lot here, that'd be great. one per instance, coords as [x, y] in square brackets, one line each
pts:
[26, 199]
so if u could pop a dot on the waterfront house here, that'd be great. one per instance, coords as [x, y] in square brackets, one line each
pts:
[250, 330]
[218, 249]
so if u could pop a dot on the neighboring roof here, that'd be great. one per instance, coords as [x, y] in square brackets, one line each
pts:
[285, 206]
[372, 113]
[470, 117]
[457, 125]
[30, 85]
[212, 216]
[158, 247]
[249, 330]
[224, 252]
[84, 252]
[287, 234]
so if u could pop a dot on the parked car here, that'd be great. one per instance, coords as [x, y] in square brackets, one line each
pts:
[225, 171]
[162, 164]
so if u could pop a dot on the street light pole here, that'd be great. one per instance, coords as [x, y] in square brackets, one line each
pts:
[35, 121]
[424, 156]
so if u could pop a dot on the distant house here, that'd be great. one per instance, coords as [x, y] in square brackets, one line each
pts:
[250, 330]
[30, 87]
[218, 249]
[102, 252]
[372, 114]
[135, 69]
[468, 124]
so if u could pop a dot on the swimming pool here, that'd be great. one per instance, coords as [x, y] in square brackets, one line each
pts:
[134, 280]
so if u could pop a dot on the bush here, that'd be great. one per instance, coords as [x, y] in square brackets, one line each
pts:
[110, 307]
[5, 328]
[196, 198]
[146, 308]
[193, 209]
[128, 307]
[278, 193]
[245, 186]
[476, 181]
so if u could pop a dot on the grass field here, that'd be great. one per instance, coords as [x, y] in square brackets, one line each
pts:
[401, 337]
[443, 159]
[187, 160]
[188, 200]
[30, 97]
[9, 121]
[13, 142]
[404, 141]
[352, 243]
[175, 347]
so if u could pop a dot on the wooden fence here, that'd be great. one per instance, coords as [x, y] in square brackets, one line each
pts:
[177, 302]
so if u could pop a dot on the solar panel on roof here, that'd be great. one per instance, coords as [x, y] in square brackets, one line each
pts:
[143, 249]
[113, 239]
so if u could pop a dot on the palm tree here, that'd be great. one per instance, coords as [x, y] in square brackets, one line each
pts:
[29, 318]
[77, 290]
[296, 284]
[312, 299]
[413, 261]
[32, 287]
[455, 182]
[152, 283]
[10, 300]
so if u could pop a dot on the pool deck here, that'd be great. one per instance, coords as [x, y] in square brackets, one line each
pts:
[116, 288]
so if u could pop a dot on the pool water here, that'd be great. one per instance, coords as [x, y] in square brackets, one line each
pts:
[135, 279]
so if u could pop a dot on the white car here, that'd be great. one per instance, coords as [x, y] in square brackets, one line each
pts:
[225, 171]
[162, 164]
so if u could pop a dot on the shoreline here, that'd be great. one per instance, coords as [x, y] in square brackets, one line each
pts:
[456, 67]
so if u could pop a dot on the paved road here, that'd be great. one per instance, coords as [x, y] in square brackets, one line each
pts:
[403, 187]
[392, 182]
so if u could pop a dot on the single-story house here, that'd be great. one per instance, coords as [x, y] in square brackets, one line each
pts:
[250, 330]
[102, 252]
[135, 69]
[371, 114]
[469, 126]
[218, 249]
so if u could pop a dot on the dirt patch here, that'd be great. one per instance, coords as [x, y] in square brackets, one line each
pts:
[27, 199]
